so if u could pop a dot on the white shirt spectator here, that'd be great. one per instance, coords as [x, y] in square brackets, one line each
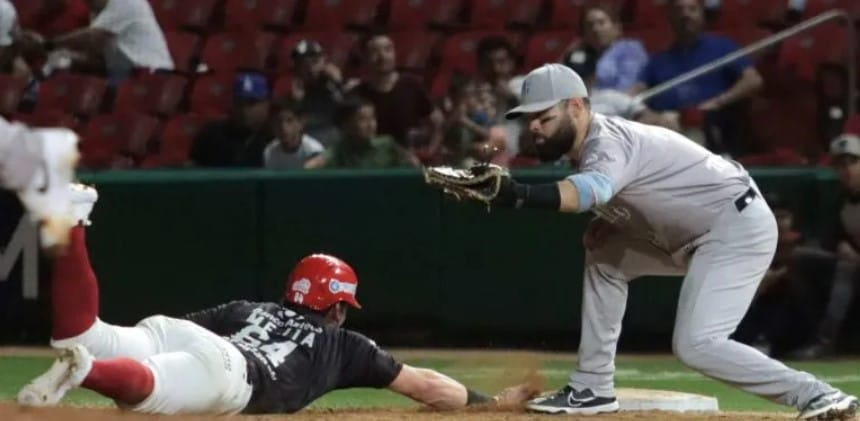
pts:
[276, 158]
[8, 22]
[138, 41]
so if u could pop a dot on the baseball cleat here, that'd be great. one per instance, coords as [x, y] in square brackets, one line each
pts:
[573, 402]
[83, 199]
[68, 371]
[47, 197]
[831, 406]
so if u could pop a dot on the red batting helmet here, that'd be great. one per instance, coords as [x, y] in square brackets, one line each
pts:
[319, 281]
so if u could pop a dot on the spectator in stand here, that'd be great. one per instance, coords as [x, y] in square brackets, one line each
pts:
[471, 133]
[616, 61]
[124, 34]
[613, 102]
[717, 93]
[238, 140]
[292, 147]
[317, 86]
[402, 105]
[360, 146]
[12, 40]
[496, 60]
[845, 247]
[57, 17]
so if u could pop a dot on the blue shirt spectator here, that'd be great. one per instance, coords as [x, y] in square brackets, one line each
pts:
[680, 59]
[614, 62]
[717, 94]
[619, 66]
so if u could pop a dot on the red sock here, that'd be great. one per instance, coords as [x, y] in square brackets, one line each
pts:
[74, 290]
[121, 379]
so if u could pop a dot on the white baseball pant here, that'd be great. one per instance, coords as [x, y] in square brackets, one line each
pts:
[195, 370]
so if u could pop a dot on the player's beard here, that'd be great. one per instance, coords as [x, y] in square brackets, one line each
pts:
[559, 143]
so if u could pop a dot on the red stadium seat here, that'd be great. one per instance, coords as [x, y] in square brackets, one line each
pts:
[459, 50]
[29, 11]
[336, 14]
[231, 51]
[747, 13]
[546, 47]
[184, 14]
[212, 95]
[524, 12]
[338, 47]
[76, 94]
[817, 7]
[63, 17]
[11, 91]
[649, 14]
[654, 39]
[497, 14]
[745, 36]
[852, 125]
[177, 138]
[107, 136]
[803, 54]
[489, 14]
[565, 14]
[184, 48]
[49, 118]
[411, 15]
[439, 87]
[363, 13]
[255, 14]
[414, 49]
[158, 94]
[283, 86]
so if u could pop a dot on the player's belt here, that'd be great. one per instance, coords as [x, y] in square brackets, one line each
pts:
[747, 198]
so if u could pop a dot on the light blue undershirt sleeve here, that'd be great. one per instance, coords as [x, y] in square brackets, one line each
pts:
[592, 188]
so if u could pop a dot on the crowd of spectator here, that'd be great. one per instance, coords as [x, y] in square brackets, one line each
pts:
[307, 112]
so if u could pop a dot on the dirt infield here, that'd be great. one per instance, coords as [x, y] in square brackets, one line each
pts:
[11, 412]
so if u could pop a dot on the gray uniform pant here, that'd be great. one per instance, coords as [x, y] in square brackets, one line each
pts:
[721, 278]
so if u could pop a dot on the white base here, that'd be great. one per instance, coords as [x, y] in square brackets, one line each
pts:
[664, 400]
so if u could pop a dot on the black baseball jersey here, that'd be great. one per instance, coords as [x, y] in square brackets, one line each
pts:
[293, 358]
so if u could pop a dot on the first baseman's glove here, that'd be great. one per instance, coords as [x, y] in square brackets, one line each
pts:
[484, 183]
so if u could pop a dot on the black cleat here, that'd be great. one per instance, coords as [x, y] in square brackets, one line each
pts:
[831, 406]
[573, 402]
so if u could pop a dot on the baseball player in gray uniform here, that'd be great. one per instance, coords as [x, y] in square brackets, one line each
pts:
[664, 206]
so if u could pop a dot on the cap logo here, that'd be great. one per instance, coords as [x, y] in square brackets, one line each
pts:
[247, 84]
[302, 285]
[527, 85]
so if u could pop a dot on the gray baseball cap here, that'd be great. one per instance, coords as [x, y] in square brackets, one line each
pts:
[845, 144]
[546, 86]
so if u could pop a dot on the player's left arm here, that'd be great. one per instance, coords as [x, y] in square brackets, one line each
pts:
[575, 194]
[596, 183]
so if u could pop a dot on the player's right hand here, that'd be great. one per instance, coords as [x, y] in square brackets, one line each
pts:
[596, 233]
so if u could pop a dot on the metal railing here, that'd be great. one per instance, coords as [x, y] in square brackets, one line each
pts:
[765, 43]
